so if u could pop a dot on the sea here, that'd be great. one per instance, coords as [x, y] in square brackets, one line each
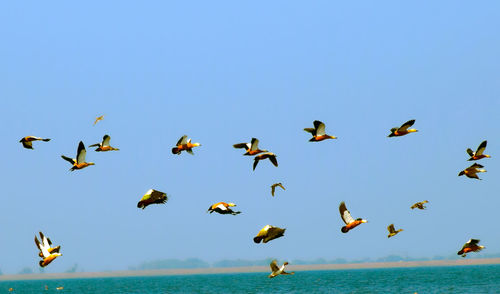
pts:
[447, 279]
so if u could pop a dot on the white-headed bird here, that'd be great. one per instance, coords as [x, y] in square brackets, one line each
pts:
[152, 197]
[184, 144]
[271, 156]
[268, 233]
[79, 162]
[318, 132]
[251, 148]
[470, 246]
[392, 231]
[47, 256]
[104, 145]
[471, 171]
[479, 152]
[350, 222]
[28, 141]
[403, 129]
[419, 205]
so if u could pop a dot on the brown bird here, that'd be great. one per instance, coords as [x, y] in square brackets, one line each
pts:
[152, 197]
[403, 130]
[271, 156]
[276, 271]
[98, 119]
[350, 222]
[184, 144]
[470, 246]
[471, 171]
[28, 141]
[392, 231]
[79, 162]
[479, 152]
[47, 256]
[47, 244]
[268, 233]
[318, 132]
[251, 148]
[104, 146]
[273, 187]
[419, 205]
[223, 208]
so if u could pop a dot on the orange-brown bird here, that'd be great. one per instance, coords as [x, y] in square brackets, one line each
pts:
[350, 222]
[268, 233]
[471, 171]
[392, 231]
[28, 141]
[152, 197]
[184, 145]
[479, 152]
[251, 148]
[223, 208]
[419, 205]
[47, 256]
[79, 162]
[470, 246]
[104, 145]
[271, 156]
[47, 244]
[403, 130]
[318, 132]
[98, 119]
[273, 187]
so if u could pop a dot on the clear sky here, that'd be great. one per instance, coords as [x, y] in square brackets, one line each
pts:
[223, 72]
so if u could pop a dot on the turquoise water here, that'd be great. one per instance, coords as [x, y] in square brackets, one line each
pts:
[462, 279]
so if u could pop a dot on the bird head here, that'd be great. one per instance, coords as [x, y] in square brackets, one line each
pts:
[231, 204]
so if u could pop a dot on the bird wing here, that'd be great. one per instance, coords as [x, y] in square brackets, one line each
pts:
[470, 152]
[406, 125]
[281, 185]
[310, 130]
[476, 165]
[274, 266]
[345, 214]
[272, 158]
[45, 241]
[391, 229]
[273, 233]
[105, 140]
[273, 188]
[81, 153]
[242, 145]
[221, 206]
[255, 162]
[254, 144]
[182, 140]
[320, 128]
[70, 160]
[27, 144]
[481, 148]
[43, 249]
[159, 197]
[95, 145]
[190, 151]
[473, 242]
[414, 205]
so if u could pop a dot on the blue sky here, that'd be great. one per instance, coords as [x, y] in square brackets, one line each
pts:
[222, 73]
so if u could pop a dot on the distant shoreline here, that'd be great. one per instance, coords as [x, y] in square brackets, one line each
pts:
[249, 269]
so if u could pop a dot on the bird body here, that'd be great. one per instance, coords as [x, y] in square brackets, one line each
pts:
[251, 148]
[479, 152]
[470, 246]
[276, 271]
[271, 156]
[318, 132]
[403, 129]
[419, 205]
[104, 145]
[184, 144]
[223, 208]
[152, 197]
[98, 119]
[47, 257]
[392, 231]
[79, 162]
[471, 171]
[273, 187]
[28, 141]
[350, 222]
[268, 233]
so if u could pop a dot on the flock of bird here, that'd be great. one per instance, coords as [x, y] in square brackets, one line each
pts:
[268, 232]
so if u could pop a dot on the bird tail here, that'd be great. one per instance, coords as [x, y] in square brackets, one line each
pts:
[175, 150]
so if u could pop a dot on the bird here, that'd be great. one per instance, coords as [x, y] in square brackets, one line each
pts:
[79, 162]
[223, 208]
[350, 222]
[479, 152]
[470, 246]
[419, 205]
[60, 288]
[251, 148]
[273, 187]
[184, 144]
[471, 171]
[268, 233]
[47, 256]
[271, 156]
[318, 132]
[276, 271]
[151, 197]
[403, 129]
[392, 231]
[98, 119]
[104, 146]
[28, 141]
[47, 243]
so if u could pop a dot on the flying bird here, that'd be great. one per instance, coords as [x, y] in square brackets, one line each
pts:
[223, 208]
[276, 271]
[28, 141]
[104, 146]
[273, 187]
[47, 244]
[79, 162]
[151, 197]
[470, 246]
[318, 132]
[47, 256]
[268, 233]
[184, 144]
[403, 130]
[392, 231]
[251, 148]
[479, 152]
[271, 156]
[419, 205]
[350, 222]
[98, 119]
[471, 171]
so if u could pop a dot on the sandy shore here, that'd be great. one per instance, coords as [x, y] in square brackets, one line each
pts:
[250, 269]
